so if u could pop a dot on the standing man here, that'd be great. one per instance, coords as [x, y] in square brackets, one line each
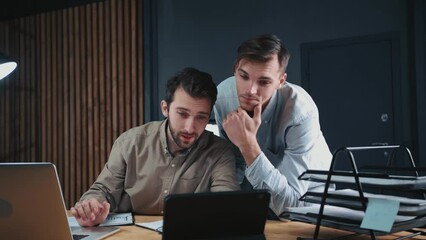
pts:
[175, 155]
[274, 124]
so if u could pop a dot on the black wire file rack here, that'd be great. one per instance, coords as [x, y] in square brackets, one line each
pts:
[344, 208]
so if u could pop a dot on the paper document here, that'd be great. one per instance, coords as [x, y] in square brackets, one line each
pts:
[113, 219]
[350, 198]
[155, 226]
[370, 179]
[345, 215]
[73, 222]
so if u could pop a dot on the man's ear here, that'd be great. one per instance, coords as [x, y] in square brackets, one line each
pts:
[235, 68]
[283, 79]
[164, 108]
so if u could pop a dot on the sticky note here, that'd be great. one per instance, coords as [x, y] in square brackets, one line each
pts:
[380, 214]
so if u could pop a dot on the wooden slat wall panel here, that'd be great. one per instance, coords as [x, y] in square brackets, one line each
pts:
[78, 86]
[101, 89]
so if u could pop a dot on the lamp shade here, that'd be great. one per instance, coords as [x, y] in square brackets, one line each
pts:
[6, 65]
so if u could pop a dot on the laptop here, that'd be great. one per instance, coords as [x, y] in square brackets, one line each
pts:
[216, 215]
[32, 206]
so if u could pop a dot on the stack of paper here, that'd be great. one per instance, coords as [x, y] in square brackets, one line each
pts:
[368, 179]
[344, 209]
[351, 199]
[348, 219]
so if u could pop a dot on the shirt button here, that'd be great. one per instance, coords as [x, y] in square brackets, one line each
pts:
[173, 165]
[166, 191]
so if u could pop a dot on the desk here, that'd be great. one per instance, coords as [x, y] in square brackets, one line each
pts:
[274, 230]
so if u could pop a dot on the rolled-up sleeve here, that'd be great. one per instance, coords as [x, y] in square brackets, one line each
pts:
[305, 149]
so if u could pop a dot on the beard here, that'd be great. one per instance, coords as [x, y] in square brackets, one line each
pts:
[183, 145]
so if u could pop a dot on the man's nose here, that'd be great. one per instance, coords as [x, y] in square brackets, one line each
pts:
[253, 88]
[189, 125]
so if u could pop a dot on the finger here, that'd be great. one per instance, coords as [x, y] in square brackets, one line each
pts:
[231, 115]
[103, 207]
[257, 111]
[87, 210]
[95, 206]
[104, 213]
[106, 205]
[240, 111]
[74, 212]
[80, 211]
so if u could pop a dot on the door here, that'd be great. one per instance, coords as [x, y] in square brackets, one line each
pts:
[355, 83]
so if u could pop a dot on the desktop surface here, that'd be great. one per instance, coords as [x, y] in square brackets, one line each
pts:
[274, 230]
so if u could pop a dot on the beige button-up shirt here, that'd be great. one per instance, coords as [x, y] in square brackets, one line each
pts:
[140, 171]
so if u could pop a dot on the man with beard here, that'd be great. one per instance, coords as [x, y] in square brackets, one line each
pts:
[176, 155]
[273, 124]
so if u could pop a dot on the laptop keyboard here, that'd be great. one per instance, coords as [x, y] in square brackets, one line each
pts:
[78, 236]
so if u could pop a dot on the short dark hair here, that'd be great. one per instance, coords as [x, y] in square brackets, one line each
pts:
[196, 83]
[262, 48]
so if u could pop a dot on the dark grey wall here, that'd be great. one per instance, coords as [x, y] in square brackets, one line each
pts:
[205, 35]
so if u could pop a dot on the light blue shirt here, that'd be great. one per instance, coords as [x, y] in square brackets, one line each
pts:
[290, 139]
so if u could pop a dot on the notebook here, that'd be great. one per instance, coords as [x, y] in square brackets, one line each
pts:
[32, 206]
[215, 215]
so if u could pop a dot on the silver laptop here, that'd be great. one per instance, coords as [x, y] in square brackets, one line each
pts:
[32, 206]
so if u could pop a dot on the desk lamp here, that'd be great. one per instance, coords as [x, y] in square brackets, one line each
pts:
[6, 65]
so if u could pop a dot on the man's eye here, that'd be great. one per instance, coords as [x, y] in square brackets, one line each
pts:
[202, 118]
[244, 77]
[183, 114]
[264, 83]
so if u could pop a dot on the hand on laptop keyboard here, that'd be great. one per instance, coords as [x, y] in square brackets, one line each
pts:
[90, 212]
